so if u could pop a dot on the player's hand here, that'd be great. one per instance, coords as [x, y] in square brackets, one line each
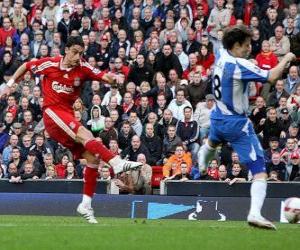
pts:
[290, 57]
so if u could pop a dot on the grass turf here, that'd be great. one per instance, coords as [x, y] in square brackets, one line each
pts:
[38, 232]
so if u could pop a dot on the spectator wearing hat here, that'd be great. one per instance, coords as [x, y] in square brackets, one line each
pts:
[292, 169]
[285, 119]
[202, 114]
[63, 26]
[273, 147]
[277, 165]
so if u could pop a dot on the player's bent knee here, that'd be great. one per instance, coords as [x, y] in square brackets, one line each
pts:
[83, 135]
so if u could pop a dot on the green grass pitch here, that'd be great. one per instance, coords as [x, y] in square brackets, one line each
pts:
[39, 232]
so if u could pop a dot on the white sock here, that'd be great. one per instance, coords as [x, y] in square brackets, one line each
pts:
[205, 155]
[258, 195]
[87, 201]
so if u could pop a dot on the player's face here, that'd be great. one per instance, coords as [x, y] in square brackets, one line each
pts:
[73, 55]
[245, 49]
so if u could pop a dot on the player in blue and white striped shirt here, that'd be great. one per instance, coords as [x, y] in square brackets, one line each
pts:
[229, 122]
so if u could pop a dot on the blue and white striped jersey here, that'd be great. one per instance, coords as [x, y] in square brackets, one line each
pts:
[230, 84]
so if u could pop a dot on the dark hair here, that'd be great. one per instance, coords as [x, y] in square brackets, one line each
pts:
[236, 34]
[74, 40]
[187, 107]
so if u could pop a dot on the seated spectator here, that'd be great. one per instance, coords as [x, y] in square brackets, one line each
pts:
[13, 173]
[153, 144]
[7, 151]
[213, 169]
[280, 44]
[70, 171]
[113, 92]
[293, 103]
[202, 114]
[292, 79]
[222, 173]
[266, 59]
[273, 176]
[2, 173]
[50, 173]
[125, 134]
[143, 109]
[273, 148]
[277, 93]
[292, 169]
[60, 168]
[290, 147]
[178, 104]
[184, 175]
[146, 170]
[206, 59]
[96, 124]
[285, 119]
[105, 174]
[114, 147]
[174, 161]
[29, 172]
[109, 132]
[271, 126]
[136, 148]
[188, 132]
[236, 174]
[16, 157]
[170, 142]
[276, 165]
[135, 123]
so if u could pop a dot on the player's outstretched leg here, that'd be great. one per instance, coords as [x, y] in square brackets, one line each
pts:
[116, 162]
[258, 194]
[205, 155]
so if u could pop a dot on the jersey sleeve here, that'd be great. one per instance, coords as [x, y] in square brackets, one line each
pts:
[39, 66]
[250, 72]
[91, 72]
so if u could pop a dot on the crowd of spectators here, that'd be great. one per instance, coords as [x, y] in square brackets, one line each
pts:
[159, 114]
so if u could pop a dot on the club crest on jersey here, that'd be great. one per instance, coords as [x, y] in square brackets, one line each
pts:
[72, 125]
[76, 81]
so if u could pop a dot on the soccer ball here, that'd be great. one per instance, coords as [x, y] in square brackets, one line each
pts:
[292, 209]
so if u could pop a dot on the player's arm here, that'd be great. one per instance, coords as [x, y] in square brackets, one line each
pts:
[5, 90]
[276, 72]
[97, 75]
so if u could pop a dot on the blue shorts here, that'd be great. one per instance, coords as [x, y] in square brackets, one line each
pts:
[239, 132]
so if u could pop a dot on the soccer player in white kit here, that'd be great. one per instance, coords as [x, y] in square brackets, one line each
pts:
[229, 122]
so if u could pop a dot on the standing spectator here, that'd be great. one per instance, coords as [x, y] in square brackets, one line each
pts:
[280, 44]
[146, 172]
[63, 26]
[170, 142]
[178, 104]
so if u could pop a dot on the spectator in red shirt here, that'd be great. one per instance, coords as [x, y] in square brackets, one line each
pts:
[6, 31]
[213, 170]
[266, 59]
[206, 58]
[60, 168]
